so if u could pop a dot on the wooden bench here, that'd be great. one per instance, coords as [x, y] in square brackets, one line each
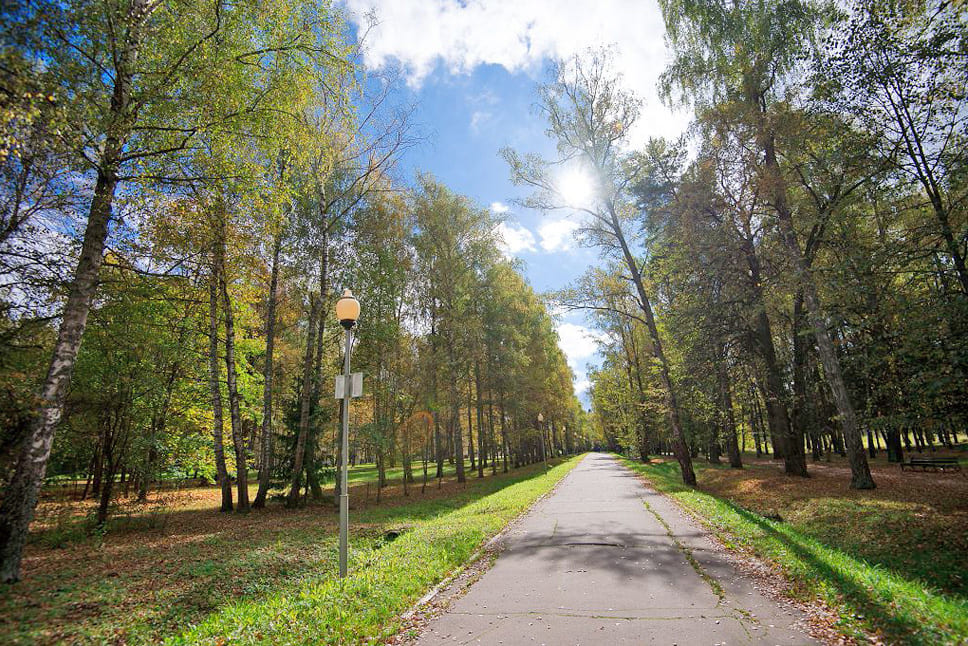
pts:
[931, 464]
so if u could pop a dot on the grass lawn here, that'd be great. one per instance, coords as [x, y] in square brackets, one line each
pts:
[890, 560]
[191, 575]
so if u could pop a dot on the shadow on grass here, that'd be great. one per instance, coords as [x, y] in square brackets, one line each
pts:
[901, 608]
[919, 536]
[381, 583]
[164, 578]
[883, 610]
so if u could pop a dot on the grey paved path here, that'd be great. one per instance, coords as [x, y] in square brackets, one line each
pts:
[592, 564]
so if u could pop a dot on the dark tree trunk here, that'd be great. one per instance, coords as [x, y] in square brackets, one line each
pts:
[104, 503]
[492, 440]
[860, 471]
[107, 488]
[470, 426]
[729, 421]
[265, 443]
[119, 433]
[505, 445]
[238, 434]
[439, 447]
[158, 423]
[801, 419]
[481, 458]
[458, 435]
[679, 436]
[753, 415]
[894, 451]
[305, 403]
[144, 481]
[712, 446]
[315, 429]
[98, 475]
[790, 443]
[215, 391]
[90, 475]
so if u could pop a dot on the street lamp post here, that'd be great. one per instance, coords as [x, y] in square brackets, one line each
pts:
[347, 312]
[544, 450]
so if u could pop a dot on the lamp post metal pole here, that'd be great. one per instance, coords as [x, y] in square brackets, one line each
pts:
[544, 449]
[344, 495]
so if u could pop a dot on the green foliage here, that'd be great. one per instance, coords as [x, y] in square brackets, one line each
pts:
[384, 579]
[874, 595]
[282, 588]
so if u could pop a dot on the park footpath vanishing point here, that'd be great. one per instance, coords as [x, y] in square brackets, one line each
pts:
[606, 560]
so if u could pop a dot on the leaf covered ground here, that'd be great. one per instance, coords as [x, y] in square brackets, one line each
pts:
[185, 573]
[890, 560]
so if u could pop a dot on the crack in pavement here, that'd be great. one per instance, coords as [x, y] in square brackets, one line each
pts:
[713, 583]
[578, 570]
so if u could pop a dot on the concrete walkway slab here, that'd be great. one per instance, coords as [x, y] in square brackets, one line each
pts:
[593, 564]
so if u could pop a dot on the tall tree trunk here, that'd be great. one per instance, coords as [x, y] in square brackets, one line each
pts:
[490, 432]
[859, 469]
[231, 378]
[315, 430]
[23, 490]
[110, 463]
[894, 451]
[481, 456]
[457, 433]
[305, 403]
[265, 447]
[800, 419]
[679, 436]
[438, 443]
[790, 444]
[215, 390]
[753, 414]
[470, 424]
[158, 423]
[505, 446]
[729, 420]
[98, 470]
[144, 480]
[117, 447]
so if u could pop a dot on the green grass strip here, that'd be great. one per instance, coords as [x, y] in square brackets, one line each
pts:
[866, 595]
[383, 581]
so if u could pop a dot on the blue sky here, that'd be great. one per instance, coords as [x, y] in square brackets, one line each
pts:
[471, 68]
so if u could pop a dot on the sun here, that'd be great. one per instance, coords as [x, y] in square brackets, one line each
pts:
[576, 188]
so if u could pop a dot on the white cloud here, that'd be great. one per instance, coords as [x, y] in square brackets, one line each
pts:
[514, 238]
[557, 235]
[459, 35]
[499, 208]
[487, 97]
[579, 344]
[479, 118]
